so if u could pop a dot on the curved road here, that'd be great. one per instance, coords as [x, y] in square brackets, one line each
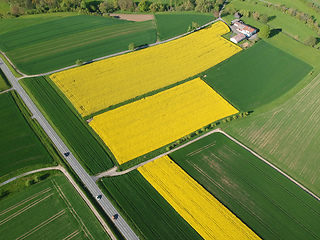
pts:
[120, 223]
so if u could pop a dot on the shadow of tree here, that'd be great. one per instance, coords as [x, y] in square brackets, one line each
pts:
[274, 32]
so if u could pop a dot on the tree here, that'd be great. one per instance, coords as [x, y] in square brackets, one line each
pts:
[79, 62]
[153, 7]
[256, 15]
[15, 10]
[193, 26]
[29, 182]
[310, 41]
[37, 178]
[188, 6]
[264, 18]
[265, 32]
[125, 5]
[143, 6]
[216, 14]
[132, 46]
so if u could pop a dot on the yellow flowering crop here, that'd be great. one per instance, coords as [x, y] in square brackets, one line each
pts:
[101, 84]
[148, 124]
[199, 208]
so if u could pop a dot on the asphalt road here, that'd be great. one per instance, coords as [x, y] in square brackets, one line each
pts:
[62, 148]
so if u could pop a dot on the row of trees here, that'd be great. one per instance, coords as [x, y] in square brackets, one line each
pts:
[20, 7]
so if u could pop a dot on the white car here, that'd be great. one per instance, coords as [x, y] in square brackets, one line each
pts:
[98, 197]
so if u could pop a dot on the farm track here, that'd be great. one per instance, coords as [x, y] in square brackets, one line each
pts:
[10, 89]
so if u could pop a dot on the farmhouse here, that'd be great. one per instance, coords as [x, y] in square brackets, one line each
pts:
[245, 29]
[238, 38]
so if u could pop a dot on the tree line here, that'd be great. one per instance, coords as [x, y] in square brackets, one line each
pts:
[94, 7]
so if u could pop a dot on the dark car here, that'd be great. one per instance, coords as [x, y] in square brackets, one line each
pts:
[67, 154]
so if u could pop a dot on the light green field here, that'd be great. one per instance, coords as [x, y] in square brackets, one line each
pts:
[288, 135]
[51, 209]
[289, 25]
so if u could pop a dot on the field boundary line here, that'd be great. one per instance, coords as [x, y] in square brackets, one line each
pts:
[41, 225]
[23, 209]
[71, 209]
[71, 235]
[24, 201]
[270, 164]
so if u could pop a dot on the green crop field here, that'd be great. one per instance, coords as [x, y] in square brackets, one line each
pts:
[289, 25]
[11, 24]
[146, 208]
[20, 146]
[4, 83]
[256, 76]
[51, 209]
[288, 135]
[171, 24]
[269, 203]
[59, 43]
[68, 124]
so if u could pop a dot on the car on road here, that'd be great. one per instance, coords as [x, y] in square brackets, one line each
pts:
[67, 154]
[98, 197]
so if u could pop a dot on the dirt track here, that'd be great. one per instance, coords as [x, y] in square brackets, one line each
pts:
[133, 17]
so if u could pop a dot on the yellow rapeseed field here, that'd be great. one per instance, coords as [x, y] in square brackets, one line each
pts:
[101, 84]
[199, 208]
[148, 124]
